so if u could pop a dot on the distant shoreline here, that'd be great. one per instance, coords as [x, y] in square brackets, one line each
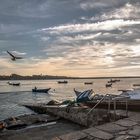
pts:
[50, 77]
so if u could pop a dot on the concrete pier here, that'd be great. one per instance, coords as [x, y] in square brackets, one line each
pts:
[99, 127]
[124, 129]
[78, 115]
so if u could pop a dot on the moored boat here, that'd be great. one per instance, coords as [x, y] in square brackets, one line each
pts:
[113, 81]
[13, 84]
[88, 83]
[62, 82]
[41, 90]
[136, 85]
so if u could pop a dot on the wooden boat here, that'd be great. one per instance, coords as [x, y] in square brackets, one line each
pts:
[88, 83]
[132, 93]
[113, 81]
[41, 90]
[13, 84]
[62, 82]
[136, 85]
[131, 96]
[83, 96]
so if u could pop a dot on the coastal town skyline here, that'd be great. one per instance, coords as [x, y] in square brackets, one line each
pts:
[74, 38]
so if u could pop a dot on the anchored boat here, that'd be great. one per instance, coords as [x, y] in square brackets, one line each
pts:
[88, 83]
[62, 82]
[41, 90]
[13, 84]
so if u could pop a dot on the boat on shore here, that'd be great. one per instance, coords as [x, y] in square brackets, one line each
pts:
[132, 93]
[13, 84]
[41, 90]
[88, 83]
[126, 97]
[62, 82]
[83, 96]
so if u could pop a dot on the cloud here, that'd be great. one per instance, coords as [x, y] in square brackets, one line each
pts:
[19, 53]
[126, 11]
[104, 25]
[129, 11]
[95, 4]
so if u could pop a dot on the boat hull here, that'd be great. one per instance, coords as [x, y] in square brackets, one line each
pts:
[62, 82]
[14, 84]
[41, 90]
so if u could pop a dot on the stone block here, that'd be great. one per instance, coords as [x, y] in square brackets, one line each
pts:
[73, 136]
[126, 123]
[135, 131]
[96, 133]
[111, 127]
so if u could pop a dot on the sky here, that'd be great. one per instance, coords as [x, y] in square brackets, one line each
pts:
[84, 38]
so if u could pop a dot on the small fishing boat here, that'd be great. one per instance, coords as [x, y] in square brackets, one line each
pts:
[132, 93]
[41, 90]
[88, 83]
[136, 85]
[113, 81]
[83, 96]
[62, 82]
[13, 84]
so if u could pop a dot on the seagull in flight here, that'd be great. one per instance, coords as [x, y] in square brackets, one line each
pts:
[13, 57]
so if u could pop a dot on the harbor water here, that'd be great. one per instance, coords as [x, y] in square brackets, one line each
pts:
[12, 96]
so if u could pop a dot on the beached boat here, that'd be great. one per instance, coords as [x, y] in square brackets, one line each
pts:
[41, 90]
[62, 82]
[83, 96]
[88, 83]
[132, 93]
[13, 84]
[129, 97]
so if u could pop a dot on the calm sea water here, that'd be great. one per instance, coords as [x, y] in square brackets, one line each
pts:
[11, 96]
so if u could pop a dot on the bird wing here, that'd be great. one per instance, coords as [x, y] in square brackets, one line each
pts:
[11, 54]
